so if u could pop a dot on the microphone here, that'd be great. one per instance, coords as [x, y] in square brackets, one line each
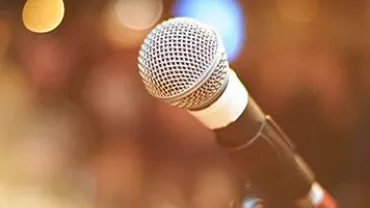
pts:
[183, 63]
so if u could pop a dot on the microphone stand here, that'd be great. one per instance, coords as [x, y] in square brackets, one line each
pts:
[269, 163]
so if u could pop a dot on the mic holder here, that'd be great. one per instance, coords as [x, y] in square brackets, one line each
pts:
[268, 161]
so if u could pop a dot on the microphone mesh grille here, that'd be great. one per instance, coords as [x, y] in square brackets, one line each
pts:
[180, 62]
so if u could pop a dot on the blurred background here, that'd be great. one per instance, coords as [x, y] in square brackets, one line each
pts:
[77, 128]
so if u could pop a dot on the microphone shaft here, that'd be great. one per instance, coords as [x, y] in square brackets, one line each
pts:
[265, 156]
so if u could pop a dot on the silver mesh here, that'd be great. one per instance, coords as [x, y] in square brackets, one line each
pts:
[183, 62]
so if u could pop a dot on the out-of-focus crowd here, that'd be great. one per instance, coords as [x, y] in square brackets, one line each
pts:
[77, 128]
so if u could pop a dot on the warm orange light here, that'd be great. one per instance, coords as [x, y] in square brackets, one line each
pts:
[42, 16]
[303, 11]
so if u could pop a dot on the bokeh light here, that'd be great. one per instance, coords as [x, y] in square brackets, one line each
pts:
[42, 16]
[139, 14]
[127, 22]
[226, 16]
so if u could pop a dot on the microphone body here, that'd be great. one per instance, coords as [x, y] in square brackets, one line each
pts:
[183, 62]
[262, 153]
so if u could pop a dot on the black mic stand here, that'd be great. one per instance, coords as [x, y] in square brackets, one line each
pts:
[269, 162]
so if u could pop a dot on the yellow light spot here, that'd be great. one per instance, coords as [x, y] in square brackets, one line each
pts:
[42, 16]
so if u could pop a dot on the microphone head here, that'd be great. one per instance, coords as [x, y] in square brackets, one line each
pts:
[183, 62]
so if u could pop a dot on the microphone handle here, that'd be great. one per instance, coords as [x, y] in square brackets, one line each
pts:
[268, 160]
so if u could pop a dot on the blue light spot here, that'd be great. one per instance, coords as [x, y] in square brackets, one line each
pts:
[226, 16]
